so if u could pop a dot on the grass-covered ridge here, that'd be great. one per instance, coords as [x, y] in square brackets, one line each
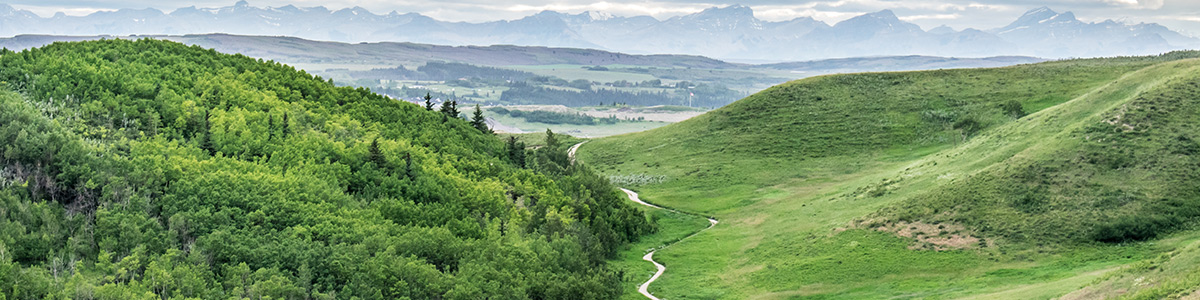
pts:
[151, 170]
[928, 184]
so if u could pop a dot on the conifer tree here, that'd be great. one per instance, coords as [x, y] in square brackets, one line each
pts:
[479, 121]
[375, 155]
[409, 171]
[516, 151]
[551, 141]
[428, 102]
[450, 108]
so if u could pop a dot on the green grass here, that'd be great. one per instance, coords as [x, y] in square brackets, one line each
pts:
[1174, 273]
[796, 173]
[672, 226]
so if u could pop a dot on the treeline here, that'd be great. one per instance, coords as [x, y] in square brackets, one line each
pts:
[528, 88]
[550, 117]
[443, 71]
[524, 93]
[153, 170]
[699, 95]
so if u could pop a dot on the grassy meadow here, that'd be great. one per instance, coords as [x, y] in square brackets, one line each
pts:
[933, 184]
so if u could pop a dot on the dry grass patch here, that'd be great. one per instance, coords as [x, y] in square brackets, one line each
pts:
[938, 237]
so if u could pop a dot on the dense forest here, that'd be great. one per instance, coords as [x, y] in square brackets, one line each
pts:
[153, 170]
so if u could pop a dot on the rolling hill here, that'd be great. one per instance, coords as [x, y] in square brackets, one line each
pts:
[1034, 181]
[532, 75]
[150, 169]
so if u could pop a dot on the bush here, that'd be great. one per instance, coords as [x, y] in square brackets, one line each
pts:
[1013, 109]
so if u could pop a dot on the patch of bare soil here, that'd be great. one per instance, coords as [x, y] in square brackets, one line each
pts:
[938, 237]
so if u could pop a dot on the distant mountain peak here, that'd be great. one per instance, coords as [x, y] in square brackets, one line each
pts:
[884, 17]
[884, 14]
[1039, 17]
[6, 10]
[1044, 10]
[1065, 17]
[942, 30]
[598, 16]
[720, 31]
[732, 10]
[1042, 15]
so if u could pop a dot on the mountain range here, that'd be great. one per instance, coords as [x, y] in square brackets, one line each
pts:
[731, 32]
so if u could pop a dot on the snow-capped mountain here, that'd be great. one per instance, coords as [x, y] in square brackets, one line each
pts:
[722, 32]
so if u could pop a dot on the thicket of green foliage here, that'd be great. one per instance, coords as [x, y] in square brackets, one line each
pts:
[148, 169]
[550, 117]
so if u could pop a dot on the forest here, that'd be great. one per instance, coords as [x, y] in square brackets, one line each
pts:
[443, 71]
[551, 117]
[152, 170]
[520, 87]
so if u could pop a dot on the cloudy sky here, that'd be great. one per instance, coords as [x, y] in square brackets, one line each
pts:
[1182, 15]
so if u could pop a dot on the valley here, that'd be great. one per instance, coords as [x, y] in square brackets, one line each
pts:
[911, 201]
[593, 82]
[625, 149]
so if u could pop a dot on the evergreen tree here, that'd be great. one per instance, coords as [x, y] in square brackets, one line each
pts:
[375, 155]
[516, 151]
[428, 101]
[286, 130]
[409, 171]
[450, 108]
[479, 121]
[551, 141]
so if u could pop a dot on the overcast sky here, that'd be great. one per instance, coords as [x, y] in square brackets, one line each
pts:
[1181, 15]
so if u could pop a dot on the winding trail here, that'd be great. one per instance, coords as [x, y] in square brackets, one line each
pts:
[633, 196]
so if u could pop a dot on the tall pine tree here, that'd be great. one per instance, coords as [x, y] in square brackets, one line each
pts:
[450, 108]
[428, 101]
[479, 121]
[375, 155]
[551, 140]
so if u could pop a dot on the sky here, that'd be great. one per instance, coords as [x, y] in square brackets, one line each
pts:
[1181, 15]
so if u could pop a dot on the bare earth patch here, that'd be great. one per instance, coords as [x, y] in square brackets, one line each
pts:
[1193, 296]
[935, 236]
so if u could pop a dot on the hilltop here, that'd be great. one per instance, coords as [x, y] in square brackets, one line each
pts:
[1029, 181]
[150, 169]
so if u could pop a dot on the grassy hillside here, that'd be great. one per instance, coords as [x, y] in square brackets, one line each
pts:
[151, 170]
[1029, 181]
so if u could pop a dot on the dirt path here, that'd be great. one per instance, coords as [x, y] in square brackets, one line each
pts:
[644, 288]
[633, 196]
